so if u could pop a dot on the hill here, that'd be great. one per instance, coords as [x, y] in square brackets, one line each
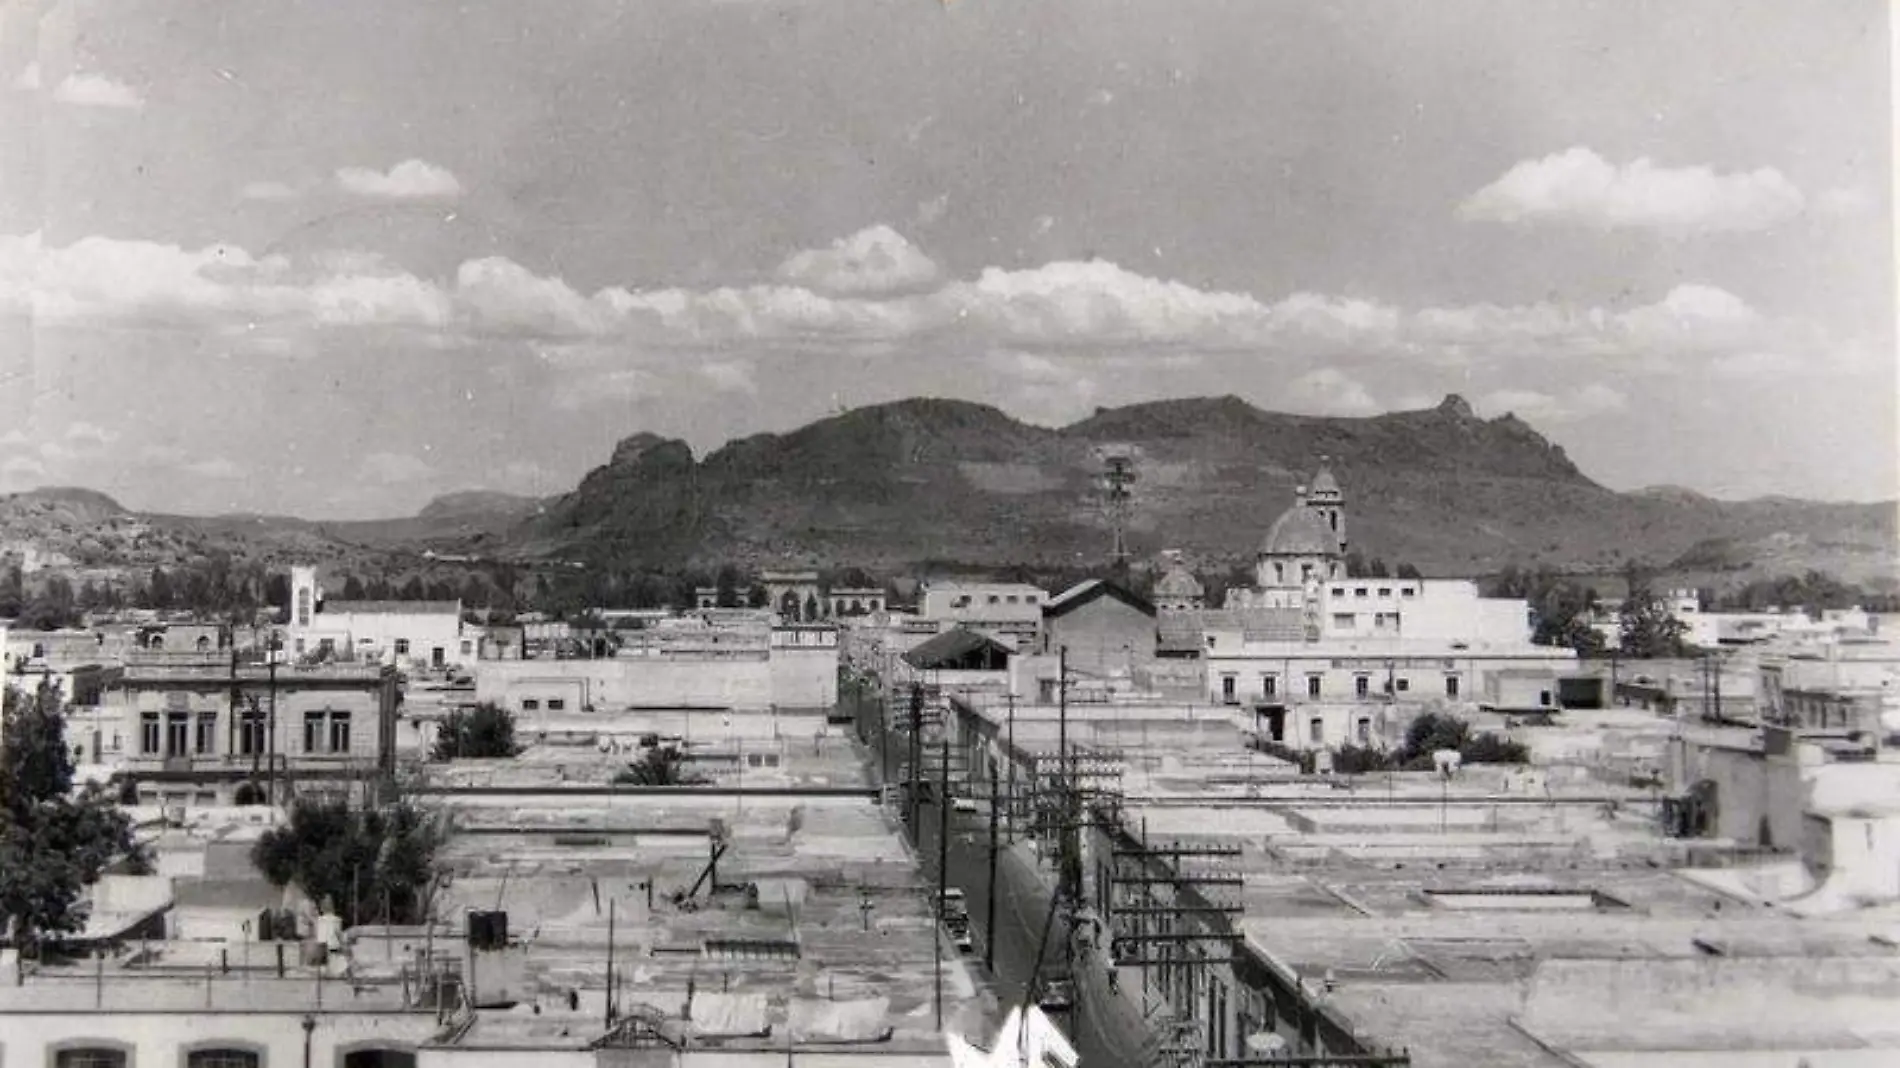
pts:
[895, 484]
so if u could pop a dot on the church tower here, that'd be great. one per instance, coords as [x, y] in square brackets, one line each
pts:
[1329, 500]
[304, 594]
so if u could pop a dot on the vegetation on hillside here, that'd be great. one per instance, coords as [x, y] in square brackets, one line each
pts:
[54, 841]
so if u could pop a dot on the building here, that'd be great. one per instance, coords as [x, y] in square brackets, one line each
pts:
[1105, 630]
[197, 726]
[746, 665]
[1009, 610]
[1492, 917]
[1304, 547]
[414, 635]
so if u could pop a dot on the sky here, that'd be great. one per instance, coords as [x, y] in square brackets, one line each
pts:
[333, 258]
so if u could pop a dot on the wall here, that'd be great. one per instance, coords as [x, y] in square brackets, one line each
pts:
[1105, 637]
[376, 633]
[789, 678]
[1418, 670]
[158, 1039]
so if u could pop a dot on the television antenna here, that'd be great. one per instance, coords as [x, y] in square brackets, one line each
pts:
[1118, 478]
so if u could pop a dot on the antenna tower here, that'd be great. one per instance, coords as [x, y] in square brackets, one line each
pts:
[1118, 478]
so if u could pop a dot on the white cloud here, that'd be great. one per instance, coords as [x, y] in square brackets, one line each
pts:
[1590, 402]
[84, 435]
[217, 467]
[391, 468]
[267, 191]
[23, 471]
[411, 179]
[877, 259]
[1329, 391]
[929, 211]
[163, 455]
[97, 91]
[1041, 389]
[1581, 188]
[732, 376]
[1095, 310]
[13, 439]
[1844, 203]
[29, 77]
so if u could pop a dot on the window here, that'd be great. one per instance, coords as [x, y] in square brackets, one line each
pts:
[1029, 598]
[1365, 729]
[300, 646]
[1361, 686]
[530, 704]
[1404, 684]
[222, 1058]
[251, 733]
[207, 732]
[91, 1057]
[339, 732]
[1316, 730]
[402, 647]
[467, 647]
[177, 733]
[1451, 686]
[148, 733]
[303, 607]
[312, 732]
[1312, 685]
[1359, 591]
[116, 741]
[994, 599]
[1339, 591]
[1227, 688]
[1408, 592]
[556, 704]
[1343, 620]
[1269, 685]
[1543, 698]
[1385, 591]
[1011, 598]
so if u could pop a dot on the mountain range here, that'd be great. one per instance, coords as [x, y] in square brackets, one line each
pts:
[894, 486]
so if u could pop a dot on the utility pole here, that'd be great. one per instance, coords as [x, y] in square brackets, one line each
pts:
[1010, 758]
[916, 753]
[270, 756]
[989, 893]
[608, 1011]
[943, 859]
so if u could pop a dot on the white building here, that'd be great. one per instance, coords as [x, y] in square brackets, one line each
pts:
[1010, 609]
[409, 634]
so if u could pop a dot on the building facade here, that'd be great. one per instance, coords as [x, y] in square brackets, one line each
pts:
[196, 726]
[414, 635]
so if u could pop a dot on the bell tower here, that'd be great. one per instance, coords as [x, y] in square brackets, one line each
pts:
[1329, 500]
[304, 594]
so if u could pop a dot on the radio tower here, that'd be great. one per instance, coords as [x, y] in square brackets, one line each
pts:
[1118, 475]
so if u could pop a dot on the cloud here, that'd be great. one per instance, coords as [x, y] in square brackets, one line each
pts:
[88, 436]
[267, 191]
[409, 180]
[13, 439]
[873, 260]
[1580, 188]
[1844, 203]
[1041, 389]
[28, 78]
[1095, 310]
[96, 91]
[22, 471]
[392, 468]
[162, 455]
[729, 376]
[1591, 401]
[217, 467]
[1329, 391]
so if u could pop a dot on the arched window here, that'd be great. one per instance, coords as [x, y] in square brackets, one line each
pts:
[223, 1055]
[203, 643]
[94, 1054]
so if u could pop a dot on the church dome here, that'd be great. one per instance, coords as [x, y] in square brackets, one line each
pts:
[1179, 583]
[1301, 531]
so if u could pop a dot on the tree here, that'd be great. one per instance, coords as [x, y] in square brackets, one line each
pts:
[1649, 629]
[727, 584]
[1433, 731]
[158, 590]
[53, 842]
[486, 731]
[373, 865]
[12, 589]
[1407, 571]
[658, 766]
[353, 588]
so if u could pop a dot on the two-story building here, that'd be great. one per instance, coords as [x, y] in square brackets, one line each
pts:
[197, 726]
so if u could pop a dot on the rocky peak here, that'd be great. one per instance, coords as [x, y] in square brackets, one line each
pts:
[1457, 407]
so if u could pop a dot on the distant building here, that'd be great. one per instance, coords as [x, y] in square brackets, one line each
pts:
[196, 726]
[1106, 630]
[1008, 609]
[409, 634]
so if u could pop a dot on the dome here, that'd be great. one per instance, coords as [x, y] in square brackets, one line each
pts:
[1324, 482]
[1301, 531]
[1178, 583]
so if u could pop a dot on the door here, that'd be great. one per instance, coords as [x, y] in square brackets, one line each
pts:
[435, 657]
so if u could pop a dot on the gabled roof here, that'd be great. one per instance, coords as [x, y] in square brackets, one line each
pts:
[953, 645]
[1083, 592]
